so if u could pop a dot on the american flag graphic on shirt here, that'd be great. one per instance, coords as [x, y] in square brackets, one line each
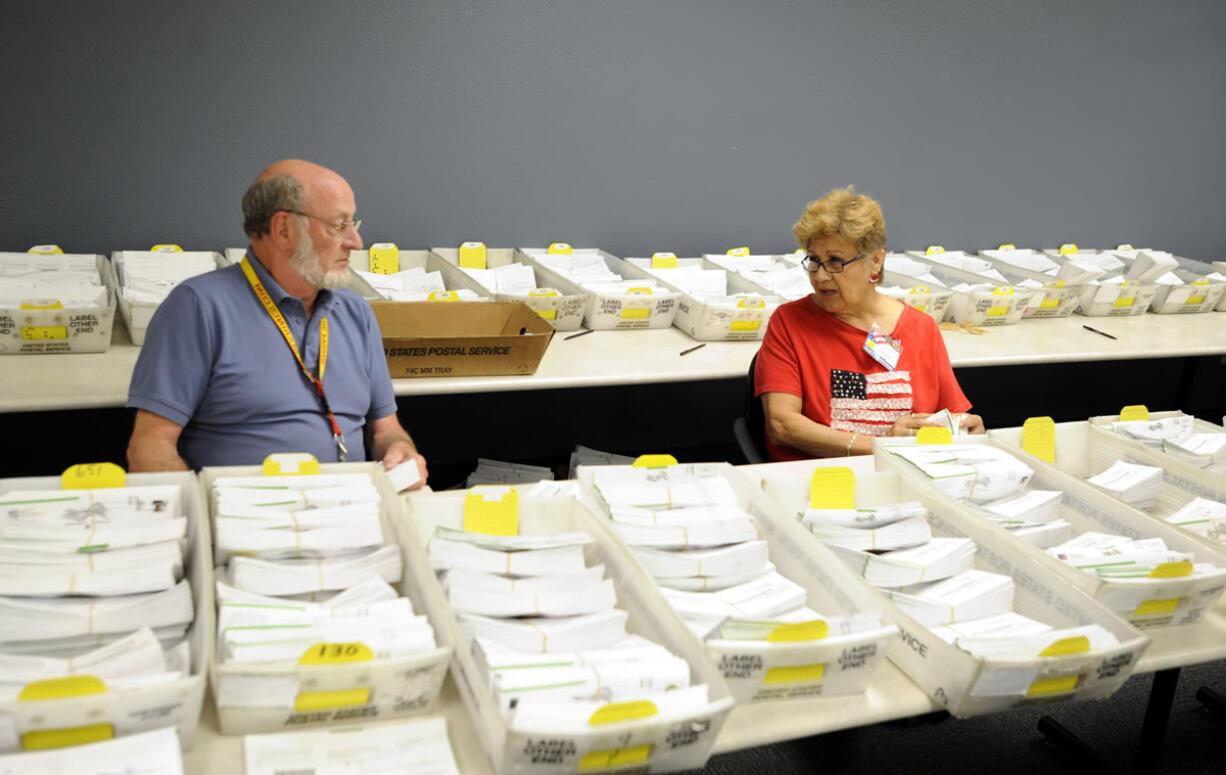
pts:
[868, 403]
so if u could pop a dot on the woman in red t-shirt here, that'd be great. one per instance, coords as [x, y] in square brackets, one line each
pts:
[849, 363]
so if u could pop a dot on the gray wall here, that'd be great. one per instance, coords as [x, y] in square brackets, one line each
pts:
[630, 125]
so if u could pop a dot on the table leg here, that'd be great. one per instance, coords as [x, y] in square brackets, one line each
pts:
[1157, 713]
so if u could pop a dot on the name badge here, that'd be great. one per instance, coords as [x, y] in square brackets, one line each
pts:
[886, 350]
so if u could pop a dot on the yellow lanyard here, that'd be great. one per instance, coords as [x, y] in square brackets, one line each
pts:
[318, 382]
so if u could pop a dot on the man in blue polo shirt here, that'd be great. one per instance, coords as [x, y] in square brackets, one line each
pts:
[270, 355]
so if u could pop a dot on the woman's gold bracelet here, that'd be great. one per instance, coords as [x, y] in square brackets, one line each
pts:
[853, 441]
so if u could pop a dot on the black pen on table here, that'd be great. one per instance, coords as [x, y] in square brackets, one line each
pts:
[692, 349]
[581, 333]
[1104, 333]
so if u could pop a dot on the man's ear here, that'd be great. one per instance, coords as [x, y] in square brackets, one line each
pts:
[281, 229]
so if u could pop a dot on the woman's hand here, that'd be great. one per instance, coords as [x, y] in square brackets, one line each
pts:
[973, 423]
[908, 425]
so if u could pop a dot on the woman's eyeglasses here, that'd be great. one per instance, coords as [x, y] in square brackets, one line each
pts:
[831, 265]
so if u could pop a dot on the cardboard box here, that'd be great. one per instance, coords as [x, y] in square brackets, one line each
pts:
[461, 339]
[563, 309]
[177, 703]
[61, 329]
[958, 679]
[649, 743]
[1144, 602]
[399, 686]
[829, 666]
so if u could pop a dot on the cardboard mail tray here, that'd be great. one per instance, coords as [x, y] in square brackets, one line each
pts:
[563, 309]
[461, 339]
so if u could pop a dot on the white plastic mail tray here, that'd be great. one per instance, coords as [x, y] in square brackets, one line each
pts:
[644, 741]
[75, 718]
[354, 691]
[966, 683]
[763, 670]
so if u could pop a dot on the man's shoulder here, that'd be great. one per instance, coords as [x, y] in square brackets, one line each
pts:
[352, 303]
[212, 285]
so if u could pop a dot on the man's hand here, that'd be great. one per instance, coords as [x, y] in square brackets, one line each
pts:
[403, 452]
[391, 443]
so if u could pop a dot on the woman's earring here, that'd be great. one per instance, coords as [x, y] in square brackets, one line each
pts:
[874, 277]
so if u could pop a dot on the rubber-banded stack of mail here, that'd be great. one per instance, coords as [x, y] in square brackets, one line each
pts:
[1177, 436]
[1204, 517]
[546, 629]
[71, 279]
[1135, 484]
[995, 484]
[305, 561]
[91, 581]
[780, 275]
[490, 471]
[413, 284]
[514, 278]
[589, 270]
[1119, 557]
[147, 277]
[692, 536]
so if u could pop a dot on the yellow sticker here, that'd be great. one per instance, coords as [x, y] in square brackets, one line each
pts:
[336, 654]
[832, 488]
[1172, 570]
[814, 629]
[61, 688]
[1054, 284]
[42, 739]
[794, 674]
[663, 260]
[41, 304]
[1004, 290]
[1049, 304]
[560, 249]
[544, 292]
[1007, 246]
[654, 461]
[165, 248]
[1125, 301]
[472, 255]
[638, 290]
[1068, 249]
[1039, 438]
[920, 289]
[384, 258]
[1075, 645]
[291, 464]
[1124, 246]
[337, 698]
[622, 711]
[615, 757]
[931, 434]
[1195, 300]
[41, 333]
[635, 313]
[996, 312]
[1152, 607]
[442, 296]
[752, 302]
[92, 476]
[1134, 412]
[1201, 281]
[548, 314]
[920, 307]
[741, 251]
[745, 325]
[498, 517]
[933, 250]
[46, 250]
[1058, 685]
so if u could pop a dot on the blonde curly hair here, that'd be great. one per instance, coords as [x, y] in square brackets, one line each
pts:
[842, 212]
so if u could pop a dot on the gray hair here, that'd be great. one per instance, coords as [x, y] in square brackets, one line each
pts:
[266, 197]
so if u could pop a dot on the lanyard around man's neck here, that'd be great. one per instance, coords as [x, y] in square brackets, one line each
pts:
[279, 320]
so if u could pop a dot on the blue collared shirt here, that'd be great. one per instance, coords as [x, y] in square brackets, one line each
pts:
[215, 363]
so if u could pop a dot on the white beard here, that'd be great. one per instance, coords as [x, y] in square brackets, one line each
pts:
[305, 261]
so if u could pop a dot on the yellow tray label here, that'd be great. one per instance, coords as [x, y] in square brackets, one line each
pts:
[560, 249]
[1065, 646]
[654, 461]
[43, 333]
[1039, 438]
[548, 314]
[795, 674]
[635, 313]
[1172, 570]
[1068, 249]
[1058, 685]
[741, 251]
[1125, 301]
[41, 304]
[61, 688]
[933, 250]
[290, 464]
[498, 517]
[1049, 304]
[1152, 607]
[622, 711]
[663, 260]
[336, 654]
[165, 248]
[745, 325]
[832, 488]
[46, 250]
[1007, 246]
[472, 255]
[814, 629]
[544, 292]
[443, 296]
[1134, 412]
[337, 698]
[43, 739]
[615, 757]
[92, 476]
[996, 312]
[930, 434]
[384, 258]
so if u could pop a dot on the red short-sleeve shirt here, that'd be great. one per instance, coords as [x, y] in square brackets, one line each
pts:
[813, 355]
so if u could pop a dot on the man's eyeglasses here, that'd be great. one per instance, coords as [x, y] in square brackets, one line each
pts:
[831, 265]
[332, 227]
